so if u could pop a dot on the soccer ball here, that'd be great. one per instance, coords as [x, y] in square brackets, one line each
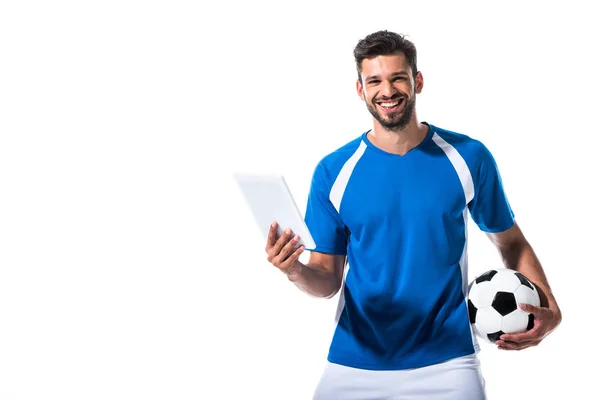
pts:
[493, 300]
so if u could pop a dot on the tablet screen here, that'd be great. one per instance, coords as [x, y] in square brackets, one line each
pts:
[270, 200]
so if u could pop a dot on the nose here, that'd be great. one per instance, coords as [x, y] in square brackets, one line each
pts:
[387, 89]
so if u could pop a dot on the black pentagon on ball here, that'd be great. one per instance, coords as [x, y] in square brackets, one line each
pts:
[504, 303]
[486, 276]
[524, 281]
[472, 312]
[530, 322]
[495, 336]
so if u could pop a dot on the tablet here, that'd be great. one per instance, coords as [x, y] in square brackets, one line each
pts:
[270, 200]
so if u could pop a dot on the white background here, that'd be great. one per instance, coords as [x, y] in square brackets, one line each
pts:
[130, 268]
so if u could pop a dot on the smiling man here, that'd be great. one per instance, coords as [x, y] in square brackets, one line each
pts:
[388, 212]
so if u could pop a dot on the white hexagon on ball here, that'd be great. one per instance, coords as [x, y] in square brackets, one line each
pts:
[515, 322]
[524, 294]
[505, 280]
[488, 320]
[481, 294]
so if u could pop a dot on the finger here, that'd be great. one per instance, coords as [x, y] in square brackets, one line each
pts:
[510, 343]
[279, 244]
[505, 345]
[272, 236]
[283, 239]
[538, 312]
[530, 335]
[288, 249]
[289, 265]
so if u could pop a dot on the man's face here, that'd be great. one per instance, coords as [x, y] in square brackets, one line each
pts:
[389, 90]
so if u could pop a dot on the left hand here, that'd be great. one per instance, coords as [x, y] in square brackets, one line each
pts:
[545, 321]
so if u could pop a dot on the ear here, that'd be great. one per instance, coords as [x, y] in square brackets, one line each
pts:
[419, 83]
[359, 90]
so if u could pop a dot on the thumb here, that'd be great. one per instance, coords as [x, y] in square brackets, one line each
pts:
[530, 308]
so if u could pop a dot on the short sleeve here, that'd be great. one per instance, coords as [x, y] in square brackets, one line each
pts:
[323, 221]
[489, 207]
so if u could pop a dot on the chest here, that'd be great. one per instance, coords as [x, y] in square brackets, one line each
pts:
[408, 193]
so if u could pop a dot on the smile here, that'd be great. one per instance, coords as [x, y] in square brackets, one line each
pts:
[391, 106]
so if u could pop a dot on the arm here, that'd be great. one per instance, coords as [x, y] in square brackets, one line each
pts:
[491, 211]
[517, 254]
[320, 277]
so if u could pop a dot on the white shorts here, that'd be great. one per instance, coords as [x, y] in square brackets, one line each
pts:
[456, 379]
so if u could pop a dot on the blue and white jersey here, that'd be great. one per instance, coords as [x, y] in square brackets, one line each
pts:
[402, 222]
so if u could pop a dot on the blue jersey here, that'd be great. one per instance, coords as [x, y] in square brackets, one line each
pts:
[402, 223]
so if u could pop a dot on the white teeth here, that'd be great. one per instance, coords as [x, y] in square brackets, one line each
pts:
[390, 105]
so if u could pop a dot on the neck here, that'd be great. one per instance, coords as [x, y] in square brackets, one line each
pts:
[398, 142]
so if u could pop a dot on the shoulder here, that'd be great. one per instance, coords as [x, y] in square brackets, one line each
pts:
[471, 149]
[459, 140]
[331, 164]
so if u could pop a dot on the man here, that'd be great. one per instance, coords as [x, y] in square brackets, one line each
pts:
[392, 206]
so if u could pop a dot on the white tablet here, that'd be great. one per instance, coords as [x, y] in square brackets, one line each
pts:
[270, 200]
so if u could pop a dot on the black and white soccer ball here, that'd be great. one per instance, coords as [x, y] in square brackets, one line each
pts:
[493, 300]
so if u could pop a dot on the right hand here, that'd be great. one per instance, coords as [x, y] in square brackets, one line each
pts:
[281, 253]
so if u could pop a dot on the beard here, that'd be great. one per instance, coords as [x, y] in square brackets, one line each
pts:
[395, 121]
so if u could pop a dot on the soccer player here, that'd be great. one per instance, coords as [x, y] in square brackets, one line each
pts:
[388, 212]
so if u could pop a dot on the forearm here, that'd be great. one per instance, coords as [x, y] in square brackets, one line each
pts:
[522, 258]
[314, 280]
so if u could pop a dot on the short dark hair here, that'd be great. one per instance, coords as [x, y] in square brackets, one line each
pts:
[385, 43]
